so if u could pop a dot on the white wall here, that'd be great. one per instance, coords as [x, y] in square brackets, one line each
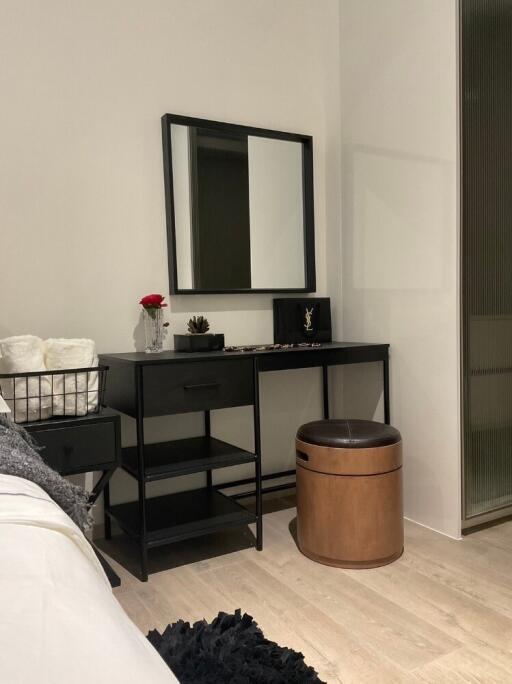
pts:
[82, 223]
[400, 233]
[84, 85]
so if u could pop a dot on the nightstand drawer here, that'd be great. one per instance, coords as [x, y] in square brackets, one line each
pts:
[78, 449]
[194, 386]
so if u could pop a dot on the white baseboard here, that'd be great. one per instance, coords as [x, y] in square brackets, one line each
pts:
[432, 529]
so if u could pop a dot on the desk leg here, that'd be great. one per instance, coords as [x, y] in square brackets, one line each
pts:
[102, 484]
[113, 577]
[141, 481]
[257, 451]
[325, 383]
[208, 432]
[385, 368]
[106, 505]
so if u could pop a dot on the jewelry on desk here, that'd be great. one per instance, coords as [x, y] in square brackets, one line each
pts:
[272, 347]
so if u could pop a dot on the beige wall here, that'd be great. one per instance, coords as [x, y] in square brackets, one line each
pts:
[400, 233]
[82, 209]
[84, 84]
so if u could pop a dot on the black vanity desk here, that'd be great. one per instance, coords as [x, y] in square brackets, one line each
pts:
[145, 385]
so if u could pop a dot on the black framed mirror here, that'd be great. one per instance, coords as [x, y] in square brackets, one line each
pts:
[239, 208]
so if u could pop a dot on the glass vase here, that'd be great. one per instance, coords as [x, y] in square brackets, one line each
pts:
[154, 330]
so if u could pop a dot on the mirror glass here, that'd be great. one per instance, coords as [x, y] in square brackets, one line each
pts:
[238, 210]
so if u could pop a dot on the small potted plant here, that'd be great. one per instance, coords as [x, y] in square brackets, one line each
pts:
[198, 338]
[152, 305]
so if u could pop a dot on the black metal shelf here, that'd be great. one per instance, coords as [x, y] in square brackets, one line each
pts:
[183, 515]
[183, 457]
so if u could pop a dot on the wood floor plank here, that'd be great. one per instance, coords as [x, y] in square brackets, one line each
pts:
[440, 614]
[326, 644]
[452, 611]
[278, 622]
[198, 600]
[462, 667]
[481, 575]
[136, 610]
[407, 640]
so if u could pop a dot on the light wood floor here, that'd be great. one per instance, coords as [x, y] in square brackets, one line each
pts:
[442, 613]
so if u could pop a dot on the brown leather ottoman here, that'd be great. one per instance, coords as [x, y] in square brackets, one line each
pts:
[349, 493]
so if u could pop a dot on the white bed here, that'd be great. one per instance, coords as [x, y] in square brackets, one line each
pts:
[59, 621]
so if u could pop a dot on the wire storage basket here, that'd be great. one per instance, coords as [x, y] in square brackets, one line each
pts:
[40, 395]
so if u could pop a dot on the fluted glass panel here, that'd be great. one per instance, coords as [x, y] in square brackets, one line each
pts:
[486, 111]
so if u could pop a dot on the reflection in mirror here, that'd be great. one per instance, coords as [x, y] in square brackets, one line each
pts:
[276, 213]
[239, 210]
[212, 209]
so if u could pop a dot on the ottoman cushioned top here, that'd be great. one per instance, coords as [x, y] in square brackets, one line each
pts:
[348, 434]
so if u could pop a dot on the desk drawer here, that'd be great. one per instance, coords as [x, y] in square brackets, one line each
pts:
[197, 386]
[78, 449]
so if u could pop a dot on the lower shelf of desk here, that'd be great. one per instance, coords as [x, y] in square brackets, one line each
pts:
[184, 457]
[183, 515]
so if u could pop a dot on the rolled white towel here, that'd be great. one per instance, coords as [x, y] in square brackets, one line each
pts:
[74, 394]
[29, 398]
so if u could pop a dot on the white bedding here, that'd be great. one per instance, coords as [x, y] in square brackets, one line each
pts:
[59, 621]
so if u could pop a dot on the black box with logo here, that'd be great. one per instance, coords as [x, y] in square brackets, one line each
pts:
[299, 320]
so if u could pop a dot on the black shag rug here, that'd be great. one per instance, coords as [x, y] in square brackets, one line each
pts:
[232, 649]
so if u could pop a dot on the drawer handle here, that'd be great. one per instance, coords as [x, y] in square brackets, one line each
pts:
[204, 385]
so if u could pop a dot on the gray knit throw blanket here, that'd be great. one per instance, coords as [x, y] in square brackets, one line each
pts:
[18, 456]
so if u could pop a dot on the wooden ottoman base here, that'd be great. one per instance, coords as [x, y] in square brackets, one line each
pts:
[354, 565]
[349, 521]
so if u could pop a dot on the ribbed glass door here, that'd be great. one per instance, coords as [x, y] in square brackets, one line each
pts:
[486, 111]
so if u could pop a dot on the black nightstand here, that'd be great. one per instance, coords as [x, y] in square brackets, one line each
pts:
[82, 444]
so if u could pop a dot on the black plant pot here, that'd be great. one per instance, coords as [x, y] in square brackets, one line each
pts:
[198, 343]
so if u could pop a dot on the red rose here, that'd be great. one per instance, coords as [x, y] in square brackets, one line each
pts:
[153, 301]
